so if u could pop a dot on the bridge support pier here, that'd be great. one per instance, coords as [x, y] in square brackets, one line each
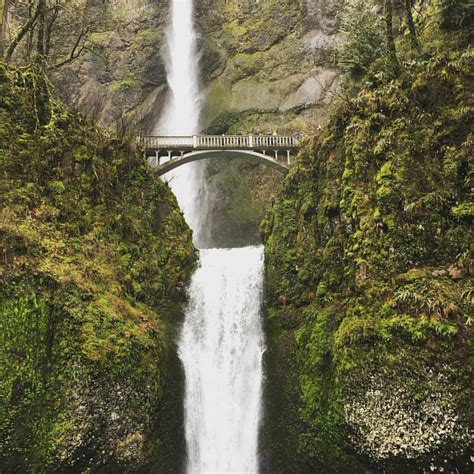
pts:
[288, 156]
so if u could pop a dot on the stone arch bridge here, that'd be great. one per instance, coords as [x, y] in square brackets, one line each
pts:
[165, 153]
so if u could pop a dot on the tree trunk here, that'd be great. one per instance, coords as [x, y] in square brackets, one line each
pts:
[41, 28]
[3, 22]
[392, 59]
[49, 30]
[411, 23]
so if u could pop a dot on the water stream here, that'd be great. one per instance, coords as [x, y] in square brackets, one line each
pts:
[221, 343]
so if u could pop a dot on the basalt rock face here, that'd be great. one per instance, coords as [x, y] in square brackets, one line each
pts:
[268, 63]
[119, 79]
[95, 257]
[271, 62]
[121, 82]
[266, 66]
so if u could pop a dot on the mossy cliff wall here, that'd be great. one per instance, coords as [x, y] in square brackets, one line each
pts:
[264, 64]
[95, 256]
[268, 64]
[370, 282]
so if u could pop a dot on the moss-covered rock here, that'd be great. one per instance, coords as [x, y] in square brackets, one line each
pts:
[370, 274]
[275, 56]
[95, 255]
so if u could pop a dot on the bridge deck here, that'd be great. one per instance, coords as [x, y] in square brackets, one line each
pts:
[164, 153]
[219, 142]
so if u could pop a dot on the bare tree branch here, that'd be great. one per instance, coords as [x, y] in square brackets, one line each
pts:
[29, 24]
[76, 51]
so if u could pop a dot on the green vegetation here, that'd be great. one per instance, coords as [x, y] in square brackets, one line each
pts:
[94, 258]
[370, 265]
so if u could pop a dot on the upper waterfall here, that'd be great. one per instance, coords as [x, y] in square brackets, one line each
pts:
[182, 110]
[181, 113]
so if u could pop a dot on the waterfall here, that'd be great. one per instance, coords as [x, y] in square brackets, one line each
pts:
[221, 348]
[221, 342]
[181, 112]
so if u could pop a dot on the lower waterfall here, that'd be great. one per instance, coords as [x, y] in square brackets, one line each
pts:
[221, 347]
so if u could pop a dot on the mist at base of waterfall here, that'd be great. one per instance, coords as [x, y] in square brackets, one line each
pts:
[221, 348]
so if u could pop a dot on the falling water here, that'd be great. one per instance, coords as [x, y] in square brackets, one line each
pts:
[182, 110]
[221, 348]
[221, 343]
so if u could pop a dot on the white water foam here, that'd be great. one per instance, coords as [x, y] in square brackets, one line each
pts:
[221, 348]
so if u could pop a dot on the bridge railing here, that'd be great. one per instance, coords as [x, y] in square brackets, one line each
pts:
[219, 141]
[165, 142]
[223, 141]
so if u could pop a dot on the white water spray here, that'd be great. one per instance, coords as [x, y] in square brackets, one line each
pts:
[221, 344]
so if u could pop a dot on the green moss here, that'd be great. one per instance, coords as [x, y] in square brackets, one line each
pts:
[378, 285]
[464, 210]
[217, 100]
[123, 85]
[96, 253]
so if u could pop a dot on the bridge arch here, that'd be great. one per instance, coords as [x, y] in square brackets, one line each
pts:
[165, 153]
[189, 157]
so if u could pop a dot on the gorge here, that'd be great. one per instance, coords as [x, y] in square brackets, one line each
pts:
[229, 317]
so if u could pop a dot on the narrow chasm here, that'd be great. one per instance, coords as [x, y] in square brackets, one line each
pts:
[236, 236]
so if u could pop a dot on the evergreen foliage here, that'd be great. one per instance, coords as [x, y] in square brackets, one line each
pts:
[362, 36]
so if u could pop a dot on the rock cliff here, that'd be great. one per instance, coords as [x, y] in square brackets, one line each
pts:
[95, 256]
[369, 273]
[268, 64]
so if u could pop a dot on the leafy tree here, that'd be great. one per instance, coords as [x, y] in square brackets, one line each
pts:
[458, 14]
[362, 36]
